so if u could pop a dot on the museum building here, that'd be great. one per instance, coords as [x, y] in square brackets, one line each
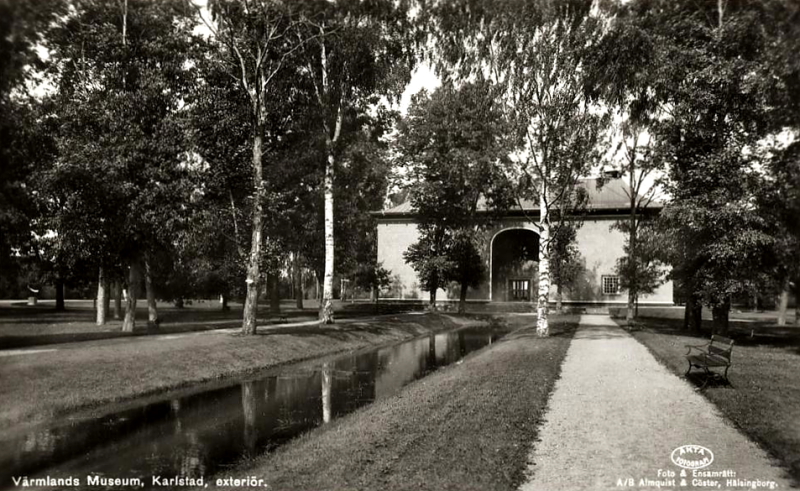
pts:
[511, 252]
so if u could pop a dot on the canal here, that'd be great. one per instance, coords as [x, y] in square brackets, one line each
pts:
[208, 431]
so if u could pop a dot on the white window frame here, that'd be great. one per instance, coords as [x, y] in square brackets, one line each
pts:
[610, 277]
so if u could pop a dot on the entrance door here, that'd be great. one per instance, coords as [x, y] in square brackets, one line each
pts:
[519, 290]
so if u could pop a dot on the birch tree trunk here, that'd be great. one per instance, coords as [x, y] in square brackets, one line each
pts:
[542, 326]
[129, 324]
[326, 99]
[630, 314]
[326, 307]
[152, 310]
[102, 297]
[253, 272]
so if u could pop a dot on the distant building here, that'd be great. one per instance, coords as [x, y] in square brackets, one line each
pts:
[511, 253]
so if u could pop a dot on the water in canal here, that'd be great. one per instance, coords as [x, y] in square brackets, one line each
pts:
[203, 433]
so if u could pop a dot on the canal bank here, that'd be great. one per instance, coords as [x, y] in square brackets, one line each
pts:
[467, 426]
[56, 380]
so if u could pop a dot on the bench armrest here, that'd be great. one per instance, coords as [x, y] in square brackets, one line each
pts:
[703, 348]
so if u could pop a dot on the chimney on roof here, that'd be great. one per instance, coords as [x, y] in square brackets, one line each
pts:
[611, 174]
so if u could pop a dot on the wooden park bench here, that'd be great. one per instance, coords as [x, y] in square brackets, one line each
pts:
[715, 354]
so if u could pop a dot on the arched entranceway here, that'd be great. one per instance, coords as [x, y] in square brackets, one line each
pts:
[514, 266]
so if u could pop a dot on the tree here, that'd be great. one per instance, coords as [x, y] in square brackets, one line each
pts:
[373, 277]
[714, 80]
[255, 44]
[428, 257]
[113, 195]
[356, 52]
[779, 204]
[536, 53]
[566, 263]
[451, 144]
[640, 270]
[22, 25]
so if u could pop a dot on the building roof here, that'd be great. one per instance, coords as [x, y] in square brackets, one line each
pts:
[604, 195]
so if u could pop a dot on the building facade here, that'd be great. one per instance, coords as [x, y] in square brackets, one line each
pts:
[511, 253]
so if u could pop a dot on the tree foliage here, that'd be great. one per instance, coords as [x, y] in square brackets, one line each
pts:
[537, 54]
[452, 144]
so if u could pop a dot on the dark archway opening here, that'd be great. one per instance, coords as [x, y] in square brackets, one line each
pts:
[515, 265]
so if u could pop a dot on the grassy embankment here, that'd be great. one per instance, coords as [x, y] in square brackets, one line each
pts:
[763, 399]
[64, 378]
[468, 426]
[24, 326]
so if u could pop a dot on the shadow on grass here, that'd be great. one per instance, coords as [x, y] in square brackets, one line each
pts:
[702, 381]
[743, 333]
[562, 328]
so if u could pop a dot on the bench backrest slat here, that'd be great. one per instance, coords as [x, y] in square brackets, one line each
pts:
[720, 346]
[715, 338]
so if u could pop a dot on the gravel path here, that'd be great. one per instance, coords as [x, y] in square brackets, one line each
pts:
[616, 416]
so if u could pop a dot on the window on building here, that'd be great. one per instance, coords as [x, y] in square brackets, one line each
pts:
[520, 290]
[610, 285]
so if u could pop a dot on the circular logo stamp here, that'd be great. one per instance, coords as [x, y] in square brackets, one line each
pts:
[692, 457]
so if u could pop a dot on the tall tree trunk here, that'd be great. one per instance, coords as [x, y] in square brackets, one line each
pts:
[253, 272]
[692, 312]
[224, 302]
[299, 288]
[696, 324]
[687, 313]
[432, 298]
[326, 96]
[630, 314]
[129, 324]
[152, 310]
[783, 305]
[274, 293]
[462, 299]
[117, 299]
[102, 297]
[542, 326]
[326, 306]
[720, 313]
[60, 305]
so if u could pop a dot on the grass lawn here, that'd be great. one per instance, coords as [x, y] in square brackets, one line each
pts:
[764, 397]
[63, 378]
[468, 426]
